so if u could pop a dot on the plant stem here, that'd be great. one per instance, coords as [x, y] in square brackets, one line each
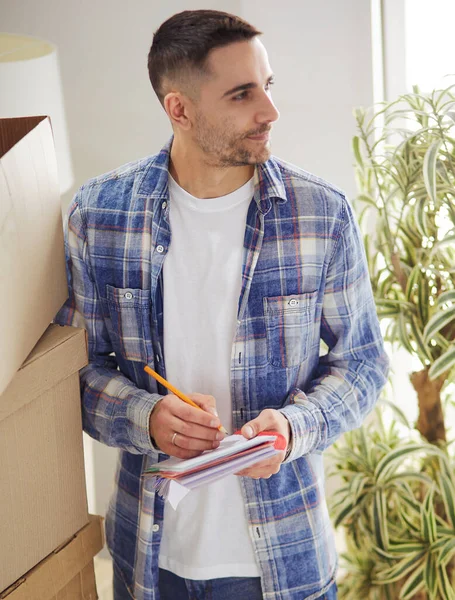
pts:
[431, 418]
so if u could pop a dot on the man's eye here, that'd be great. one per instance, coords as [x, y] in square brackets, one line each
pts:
[245, 94]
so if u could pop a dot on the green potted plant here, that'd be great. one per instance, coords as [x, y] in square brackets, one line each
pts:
[397, 501]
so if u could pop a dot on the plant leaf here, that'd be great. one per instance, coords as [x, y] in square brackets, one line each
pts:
[368, 200]
[388, 461]
[357, 486]
[447, 552]
[344, 513]
[356, 150]
[449, 240]
[441, 341]
[423, 299]
[449, 295]
[430, 576]
[403, 334]
[429, 169]
[398, 412]
[411, 475]
[419, 340]
[410, 525]
[380, 520]
[402, 568]
[413, 584]
[413, 281]
[440, 319]
[420, 216]
[394, 303]
[445, 587]
[447, 490]
[405, 548]
[428, 519]
[442, 364]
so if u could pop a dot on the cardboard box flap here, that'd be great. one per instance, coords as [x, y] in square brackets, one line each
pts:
[32, 257]
[14, 130]
[60, 352]
[51, 575]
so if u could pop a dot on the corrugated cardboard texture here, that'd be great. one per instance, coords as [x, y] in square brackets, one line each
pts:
[81, 587]
[42, 479]
[60, 352]
[67, 574]
[32, 261]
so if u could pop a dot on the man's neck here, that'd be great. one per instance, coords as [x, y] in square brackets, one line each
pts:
[202, 180]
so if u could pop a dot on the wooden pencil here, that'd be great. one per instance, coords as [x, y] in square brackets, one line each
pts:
[176, 391]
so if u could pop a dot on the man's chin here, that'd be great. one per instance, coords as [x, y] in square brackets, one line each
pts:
[245, 157]
[260, 156]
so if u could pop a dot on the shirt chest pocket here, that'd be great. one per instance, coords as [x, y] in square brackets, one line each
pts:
[129, 311]
[289, 326]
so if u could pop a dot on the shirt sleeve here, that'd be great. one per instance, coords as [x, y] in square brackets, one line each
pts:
[114, 410]
[350, 376]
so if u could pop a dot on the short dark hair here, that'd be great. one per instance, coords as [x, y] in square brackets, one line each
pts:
[182, 43]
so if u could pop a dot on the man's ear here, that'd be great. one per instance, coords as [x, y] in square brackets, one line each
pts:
[176, 106]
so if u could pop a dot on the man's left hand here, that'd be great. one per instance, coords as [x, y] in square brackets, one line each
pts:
[268, 420]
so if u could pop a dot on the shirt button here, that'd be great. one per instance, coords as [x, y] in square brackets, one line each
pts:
[160, 249]
[156, 528]
[163, 206]
[293, 302]
[129, 296]
[157, 358]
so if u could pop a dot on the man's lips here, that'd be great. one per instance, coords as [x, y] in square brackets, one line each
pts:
[260, 138]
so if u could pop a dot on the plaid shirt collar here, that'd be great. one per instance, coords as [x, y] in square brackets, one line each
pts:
[268, 181]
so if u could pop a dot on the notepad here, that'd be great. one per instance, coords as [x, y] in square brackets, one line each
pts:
[176, 477]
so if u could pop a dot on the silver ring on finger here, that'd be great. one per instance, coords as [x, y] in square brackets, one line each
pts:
[173, 438]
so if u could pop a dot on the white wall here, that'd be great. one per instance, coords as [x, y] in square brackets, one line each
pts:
[320, 52]
[321, 55]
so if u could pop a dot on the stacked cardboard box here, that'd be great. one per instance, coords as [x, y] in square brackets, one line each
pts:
[67, 573]
[47, 541]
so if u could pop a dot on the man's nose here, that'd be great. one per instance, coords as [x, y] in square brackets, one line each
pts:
[268, 112]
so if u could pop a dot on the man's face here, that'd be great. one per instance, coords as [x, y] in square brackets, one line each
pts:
[234, 113]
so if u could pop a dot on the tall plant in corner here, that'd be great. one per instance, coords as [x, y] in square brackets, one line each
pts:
[405, 155]
[397, 497]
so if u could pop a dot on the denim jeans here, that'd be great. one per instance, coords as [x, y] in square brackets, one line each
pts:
[173, 587]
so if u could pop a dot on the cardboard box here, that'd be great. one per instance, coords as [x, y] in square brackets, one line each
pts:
[43, 498]
[67, 573]
[32, 261]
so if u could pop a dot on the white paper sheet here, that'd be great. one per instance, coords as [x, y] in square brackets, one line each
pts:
[232, 444]
[176, 493]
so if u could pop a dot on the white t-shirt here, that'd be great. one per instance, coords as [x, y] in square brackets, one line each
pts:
[207, 537]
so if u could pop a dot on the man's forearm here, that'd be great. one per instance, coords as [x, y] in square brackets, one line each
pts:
[115, 411]
[336, 402]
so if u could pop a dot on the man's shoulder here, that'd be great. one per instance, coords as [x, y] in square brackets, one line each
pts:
[299, 179]
[120, 174]
[115, 189]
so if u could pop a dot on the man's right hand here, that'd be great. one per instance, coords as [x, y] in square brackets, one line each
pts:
[182, 430]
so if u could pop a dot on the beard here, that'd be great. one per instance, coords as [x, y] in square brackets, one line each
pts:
[224, 147]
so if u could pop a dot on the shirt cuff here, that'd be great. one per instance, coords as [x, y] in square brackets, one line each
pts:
[305, 431]
[139, 409]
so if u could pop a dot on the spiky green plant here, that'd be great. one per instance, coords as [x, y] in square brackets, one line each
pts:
[390, 503]
[397, 502]
[405, 155]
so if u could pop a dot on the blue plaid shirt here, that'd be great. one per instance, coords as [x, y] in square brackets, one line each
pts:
[304, 279]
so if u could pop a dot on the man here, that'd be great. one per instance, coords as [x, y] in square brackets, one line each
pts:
[222, 268]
